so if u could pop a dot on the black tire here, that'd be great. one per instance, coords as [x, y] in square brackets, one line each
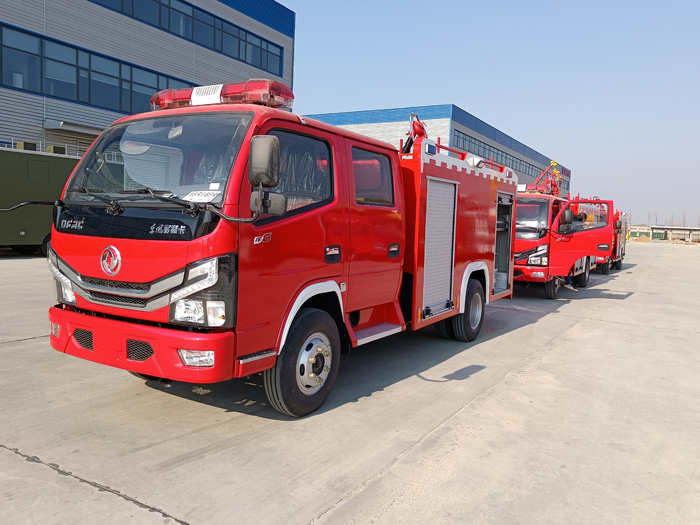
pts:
[23, 249]
[289, 388]
[605, 268]
[444, 329]
[550, 288]
[144, 376]
[467, 325]
[44, 249]
[618, 264]
[582, 278]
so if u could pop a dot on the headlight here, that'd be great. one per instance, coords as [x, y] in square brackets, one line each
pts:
[189, 311]
[201, 277]
[207, 298]
[539, 258]
[66, 293]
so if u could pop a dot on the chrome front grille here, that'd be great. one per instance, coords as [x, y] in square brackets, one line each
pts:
[117, 285]
[100, 297]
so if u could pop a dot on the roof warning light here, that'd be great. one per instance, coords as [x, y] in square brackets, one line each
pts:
[256, 91]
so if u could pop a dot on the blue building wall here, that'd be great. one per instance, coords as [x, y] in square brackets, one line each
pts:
[268, 12]
[450, 111]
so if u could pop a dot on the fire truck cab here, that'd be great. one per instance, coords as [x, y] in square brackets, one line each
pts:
[556, 237]
[221, 236]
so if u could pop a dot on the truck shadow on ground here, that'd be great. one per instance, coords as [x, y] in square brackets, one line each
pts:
[7, 253]
[373, 367]
[595, 289]
[368, 369]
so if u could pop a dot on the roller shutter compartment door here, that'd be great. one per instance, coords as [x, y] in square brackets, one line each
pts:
[439, 246]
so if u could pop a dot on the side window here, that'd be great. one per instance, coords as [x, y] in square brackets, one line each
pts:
[374, 182]
[589, 216]
[305, 170]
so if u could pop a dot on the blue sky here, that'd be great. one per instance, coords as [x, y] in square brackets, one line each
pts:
[611, 89]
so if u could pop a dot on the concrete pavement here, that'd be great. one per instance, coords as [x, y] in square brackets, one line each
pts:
[579, 410]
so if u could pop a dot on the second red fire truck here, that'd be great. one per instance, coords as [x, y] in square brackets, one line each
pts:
[556, 238]
[221, 236]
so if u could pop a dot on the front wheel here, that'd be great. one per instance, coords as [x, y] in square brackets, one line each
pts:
[551, 288]
[605, 268]
[305, 371]
[467, 325]
[618, 264]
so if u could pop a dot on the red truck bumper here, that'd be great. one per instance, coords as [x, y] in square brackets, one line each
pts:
[154, 350]
[530, 274]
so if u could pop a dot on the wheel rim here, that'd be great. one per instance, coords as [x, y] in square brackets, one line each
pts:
[314, 363]
[475, 310]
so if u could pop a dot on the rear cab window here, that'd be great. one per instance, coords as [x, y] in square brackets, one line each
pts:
[374, 180]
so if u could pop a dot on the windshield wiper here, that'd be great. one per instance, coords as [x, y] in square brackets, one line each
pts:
[114, 206]
[166, 196]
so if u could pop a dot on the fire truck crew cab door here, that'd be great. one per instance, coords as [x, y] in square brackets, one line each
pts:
[376, 228]
[588, 235]
[281, 256]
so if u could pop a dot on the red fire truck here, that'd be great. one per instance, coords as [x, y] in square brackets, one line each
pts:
[221, 235]
[617, 246]
[556, 237]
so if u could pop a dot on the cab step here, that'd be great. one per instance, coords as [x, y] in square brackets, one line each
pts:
[373, 333]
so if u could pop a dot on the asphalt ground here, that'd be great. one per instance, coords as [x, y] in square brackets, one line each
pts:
[585, 409]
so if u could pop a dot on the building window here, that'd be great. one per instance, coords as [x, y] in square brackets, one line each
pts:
[465, 142]
[21, 60]
[198, 26]
[39, 65]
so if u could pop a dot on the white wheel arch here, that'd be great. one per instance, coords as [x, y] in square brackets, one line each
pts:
[468, 271]
[306, 294]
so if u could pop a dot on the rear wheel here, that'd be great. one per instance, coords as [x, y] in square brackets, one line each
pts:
[582, 278]
[618, 264]
[307, 367]
[444, 329]
[550, 288]
[605, 268]
[467, 325]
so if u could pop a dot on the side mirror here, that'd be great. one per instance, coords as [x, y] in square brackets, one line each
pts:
[271, 204]
[264, 161]
[618, 225]
[567, 217]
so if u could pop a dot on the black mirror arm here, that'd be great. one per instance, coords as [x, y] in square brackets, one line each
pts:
[258, 212]
[37, 203]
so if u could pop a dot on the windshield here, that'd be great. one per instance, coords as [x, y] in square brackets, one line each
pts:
[531, 217]
[184, 156]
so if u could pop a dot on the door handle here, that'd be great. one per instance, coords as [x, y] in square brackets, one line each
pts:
[394, 250]
[332, 254]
